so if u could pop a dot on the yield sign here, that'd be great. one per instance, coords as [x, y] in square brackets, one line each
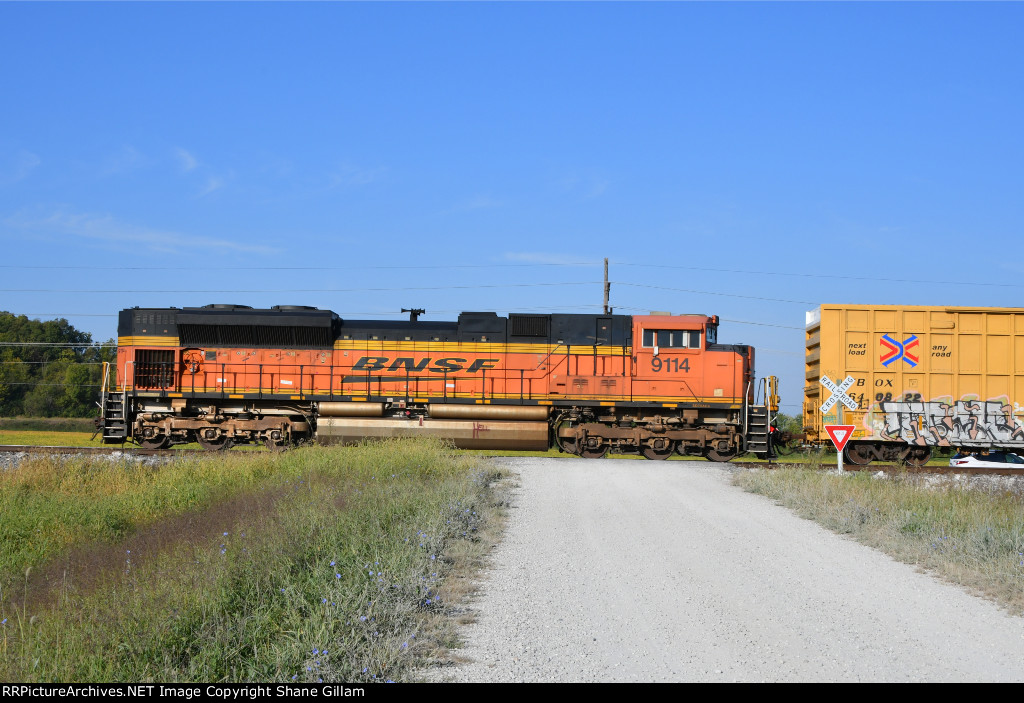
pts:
[840, 435]
[838, 393]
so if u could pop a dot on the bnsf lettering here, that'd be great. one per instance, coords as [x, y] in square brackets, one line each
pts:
[482, 364]
[408, 364]
[446, 365]
[370, 363]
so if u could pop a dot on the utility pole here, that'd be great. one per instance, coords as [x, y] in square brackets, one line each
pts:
[607, 287]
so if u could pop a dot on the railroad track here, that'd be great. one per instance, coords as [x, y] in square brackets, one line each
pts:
[887, 468]
[894, 468]
[135, 451]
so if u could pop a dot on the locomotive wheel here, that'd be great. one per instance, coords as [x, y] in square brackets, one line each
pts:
[594, 453]
[657, 454]
[715, 455]
[158, 441]
[918, 456]
[568, 446]
[213, 445]
[857, 454]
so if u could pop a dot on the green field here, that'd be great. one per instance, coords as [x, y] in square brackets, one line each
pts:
[325, 563]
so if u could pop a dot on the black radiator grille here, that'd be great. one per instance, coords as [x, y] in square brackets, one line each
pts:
[266, 336]
[528, 325]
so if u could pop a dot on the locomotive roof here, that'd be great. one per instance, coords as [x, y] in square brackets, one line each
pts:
[300, 326]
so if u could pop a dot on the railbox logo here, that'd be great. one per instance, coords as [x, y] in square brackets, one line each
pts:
[894, 351]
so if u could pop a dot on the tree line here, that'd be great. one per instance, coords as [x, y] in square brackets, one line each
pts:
[49, 369]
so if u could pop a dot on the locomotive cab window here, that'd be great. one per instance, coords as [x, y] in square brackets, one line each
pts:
[672, 339]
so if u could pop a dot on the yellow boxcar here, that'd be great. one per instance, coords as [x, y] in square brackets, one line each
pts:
[923, 377]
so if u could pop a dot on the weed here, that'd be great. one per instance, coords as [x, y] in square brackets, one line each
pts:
[320, 564]
[968, 536]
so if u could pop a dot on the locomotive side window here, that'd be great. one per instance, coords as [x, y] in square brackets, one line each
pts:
[672, 339]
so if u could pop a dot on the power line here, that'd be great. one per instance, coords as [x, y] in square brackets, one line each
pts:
[70, 345]
[393, 289]
[56, 361]
[349, 313]
[724, 319]
[344, 314]
[707, 292]
[828, 276]
[433, 267]
[763, 324]
[570, 264]
[55, 385]
[304, 290]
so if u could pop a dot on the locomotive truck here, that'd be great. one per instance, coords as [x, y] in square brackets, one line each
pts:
[589, 384]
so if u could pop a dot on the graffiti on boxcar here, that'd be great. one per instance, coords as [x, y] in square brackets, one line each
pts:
[963, 422]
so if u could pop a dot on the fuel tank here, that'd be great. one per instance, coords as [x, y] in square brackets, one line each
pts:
[465, 434]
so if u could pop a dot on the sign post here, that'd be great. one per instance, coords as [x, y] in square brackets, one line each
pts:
[840, 434]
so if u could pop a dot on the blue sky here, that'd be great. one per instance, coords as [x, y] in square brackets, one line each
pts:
[745, 160]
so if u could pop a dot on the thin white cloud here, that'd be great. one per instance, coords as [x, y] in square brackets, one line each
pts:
[213, 183]
[190, 164]
[185, 158]
[347, 175]
[18, 167]
[109, 229]
[545, 257]
[124, 160]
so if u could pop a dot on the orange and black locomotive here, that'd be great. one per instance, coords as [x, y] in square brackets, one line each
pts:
[588, 384]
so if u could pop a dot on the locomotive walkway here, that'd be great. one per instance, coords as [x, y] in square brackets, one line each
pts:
[663, 571]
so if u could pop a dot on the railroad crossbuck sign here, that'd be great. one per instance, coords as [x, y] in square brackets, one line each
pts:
[838, 393]
[840, 435]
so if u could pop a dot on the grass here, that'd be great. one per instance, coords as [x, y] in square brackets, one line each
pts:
[48, 431]
[826, 456]
[49, 438]
[973, 537]
[48, 424]
[325, 563]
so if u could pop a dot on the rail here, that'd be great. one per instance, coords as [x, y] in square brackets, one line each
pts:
[771, 465]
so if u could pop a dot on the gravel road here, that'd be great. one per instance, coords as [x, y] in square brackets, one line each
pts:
[664, 571]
